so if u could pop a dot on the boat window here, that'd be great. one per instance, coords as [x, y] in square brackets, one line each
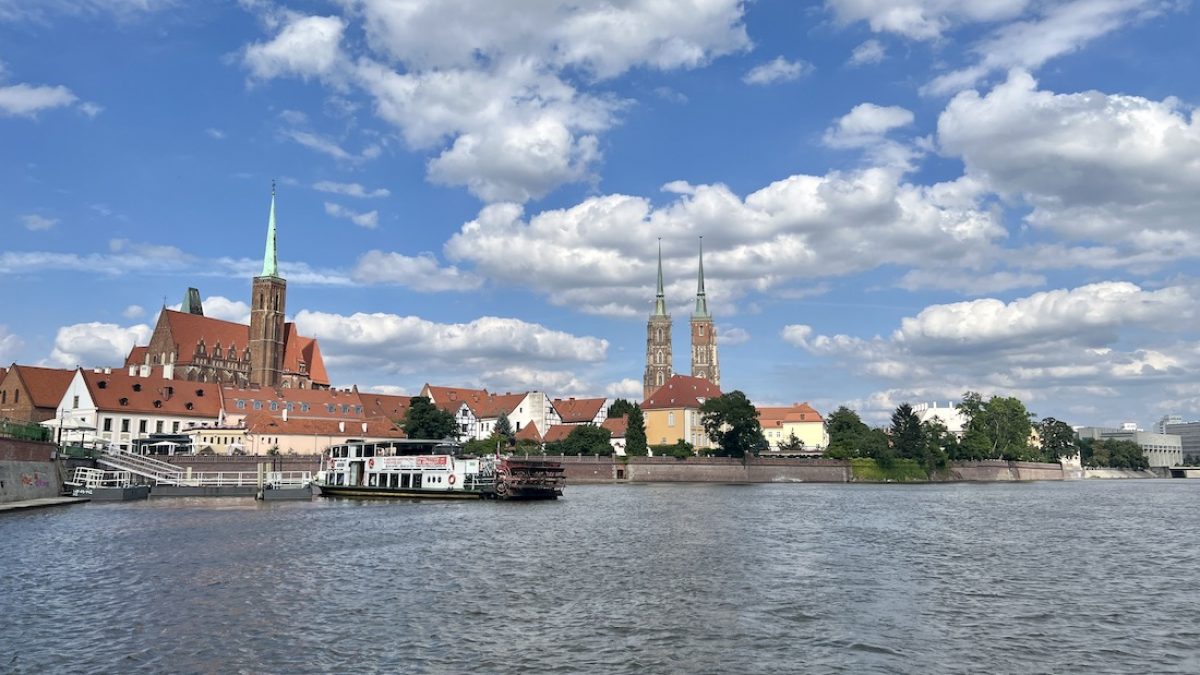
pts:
[405, 480]
[373, 480]
[416, 480]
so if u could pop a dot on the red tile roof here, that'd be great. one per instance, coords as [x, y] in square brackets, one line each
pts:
[297, 347]
[775, 417]
[187, 330]
[451, 399]
[379, 427]
[495, 404]
[137, 356]
[578, 410]
[617, 425]
[681, 391]
[347, 405]
[558, 432]
[120, 392]
[529, 432]
[385, 405]
[46, 386]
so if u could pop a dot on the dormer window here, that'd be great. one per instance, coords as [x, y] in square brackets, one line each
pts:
[137, 386]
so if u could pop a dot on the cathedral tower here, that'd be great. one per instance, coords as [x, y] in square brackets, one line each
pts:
[658, 340]
[267, 300]
[704, 337]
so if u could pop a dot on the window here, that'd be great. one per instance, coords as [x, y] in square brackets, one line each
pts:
[670, 419]
[3, 397]
[274, 405]
[158, 427]
[125, 425]
[16, 396]
[258, 405]
[141, 426]
[174, 427]
[241, 404]
[701, 328]
[74, 401]
[108, 424]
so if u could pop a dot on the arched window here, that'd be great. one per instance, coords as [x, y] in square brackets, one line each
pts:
[659, 377]
[261, 300]
[701, 327]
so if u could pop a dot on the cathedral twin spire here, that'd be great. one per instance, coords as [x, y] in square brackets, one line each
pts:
[658, 336]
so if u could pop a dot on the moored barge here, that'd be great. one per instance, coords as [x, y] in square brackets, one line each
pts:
[430, 469]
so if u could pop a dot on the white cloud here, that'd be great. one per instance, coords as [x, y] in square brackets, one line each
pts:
[522, 378]
[866, 124]
[1094, 167]
[484, 89]
[35, 223]
[41, 10]
[215, 134]
[23, 100]
[627, 388]
[777, 70]
[10, 346]
[306, 46]
[406, 344]
[420, 273]
[329, 147]
[349, 189]
[968, 282]
[133, 312]
[219, 307]
[369, 220]
[729, 336]
[389, 389]
[96, 345]
[871, 51]
[598, 256]
[923, 19]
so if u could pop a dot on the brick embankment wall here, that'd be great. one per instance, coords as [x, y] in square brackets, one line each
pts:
[994, 470]
[776, 470]
[582, 470]
[26, 471]
[211, 463]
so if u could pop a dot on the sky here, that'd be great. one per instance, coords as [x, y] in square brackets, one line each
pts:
[900, 200]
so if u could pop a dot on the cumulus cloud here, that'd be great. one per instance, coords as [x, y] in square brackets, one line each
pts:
[968, 282]
[866, 124]
[369, 219]
[871, 51]
[327, 146]
[405, 344]
[732, 335]
[923, 19]
[777, 70]
[96, 345]
[627, 388]
[486, 90]
[1094, 167]
[219, 307]
[133, 312]
[598, 256]
[420, 273]
[521, 378]
[23, 100]
[10, 345]
[349, 189]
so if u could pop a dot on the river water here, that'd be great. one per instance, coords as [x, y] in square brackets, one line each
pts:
[1080, 577]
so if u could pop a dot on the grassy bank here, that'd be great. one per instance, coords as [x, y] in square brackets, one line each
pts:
[900, 471]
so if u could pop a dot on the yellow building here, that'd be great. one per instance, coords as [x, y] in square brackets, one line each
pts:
[672, 413]
[800, 420]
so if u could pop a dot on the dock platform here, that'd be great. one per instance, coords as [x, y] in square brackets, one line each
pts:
[40, 503]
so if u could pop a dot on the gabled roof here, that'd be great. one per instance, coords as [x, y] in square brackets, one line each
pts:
[297, 347]
[558, 432]
[681, 391]
[118, 391]
[46, 386]
[189, 329]
[495, 404]
[617, 425]
[137, 356]
[451, 399]
[577, 410]
[385, 405]
[529, 432]
[261, 423]
[778, 416]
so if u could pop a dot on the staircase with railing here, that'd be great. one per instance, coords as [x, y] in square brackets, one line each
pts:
[156, 470]
[168, 474]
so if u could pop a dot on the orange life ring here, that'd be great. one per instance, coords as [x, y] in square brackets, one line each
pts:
[450, 479]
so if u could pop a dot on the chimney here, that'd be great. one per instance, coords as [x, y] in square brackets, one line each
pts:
[342, 427]
[285, 414]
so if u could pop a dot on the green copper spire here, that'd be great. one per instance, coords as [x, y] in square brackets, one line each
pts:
[270, 258]
[660, 303]
[701, 300]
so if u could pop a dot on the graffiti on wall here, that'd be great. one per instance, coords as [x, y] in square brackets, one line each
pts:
[34, 480]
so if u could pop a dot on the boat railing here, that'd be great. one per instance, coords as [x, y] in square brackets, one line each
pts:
[277, 479]
[86, 479]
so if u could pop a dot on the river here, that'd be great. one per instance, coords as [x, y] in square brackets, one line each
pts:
[1078, 577]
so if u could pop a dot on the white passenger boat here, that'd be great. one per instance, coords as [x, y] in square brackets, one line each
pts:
[429, 469]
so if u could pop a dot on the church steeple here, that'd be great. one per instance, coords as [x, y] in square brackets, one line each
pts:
[660, 302]
[701, 300]
[271, 257]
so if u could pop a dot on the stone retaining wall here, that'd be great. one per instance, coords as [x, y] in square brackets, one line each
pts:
[992, 470]
[27, 471]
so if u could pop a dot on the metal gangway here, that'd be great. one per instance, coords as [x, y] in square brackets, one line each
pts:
[86, 480]
[163, 473]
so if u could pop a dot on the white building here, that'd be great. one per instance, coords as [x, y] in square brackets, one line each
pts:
[949, 415]
[1160, 449]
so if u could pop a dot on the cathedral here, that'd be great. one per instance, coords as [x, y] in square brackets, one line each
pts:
[186, 345]
[658, 338]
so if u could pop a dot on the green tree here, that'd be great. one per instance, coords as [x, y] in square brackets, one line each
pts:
[846, 431]
[907, 435]
[635, 433]
[486, 446]
[425, 420]
[998, 428]
[680, 450]
[503, 427]
[621, 408]
[731, 422]
[792, 445]
[586, 439]
[1058, 439]
[1112, 453]
[940, 446]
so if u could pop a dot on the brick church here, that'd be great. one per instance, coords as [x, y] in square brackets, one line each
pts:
[658, 338]
[186, 345]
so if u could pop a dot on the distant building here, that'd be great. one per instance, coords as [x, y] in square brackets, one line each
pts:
[31, 393]
[659, 362]
[673, 414]
[948, 415]
[801, 420]
[582, 410]
[1160, 427]
[1189, 433]
[1160, 449]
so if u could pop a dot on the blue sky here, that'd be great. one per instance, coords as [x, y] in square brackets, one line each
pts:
[900, 200]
